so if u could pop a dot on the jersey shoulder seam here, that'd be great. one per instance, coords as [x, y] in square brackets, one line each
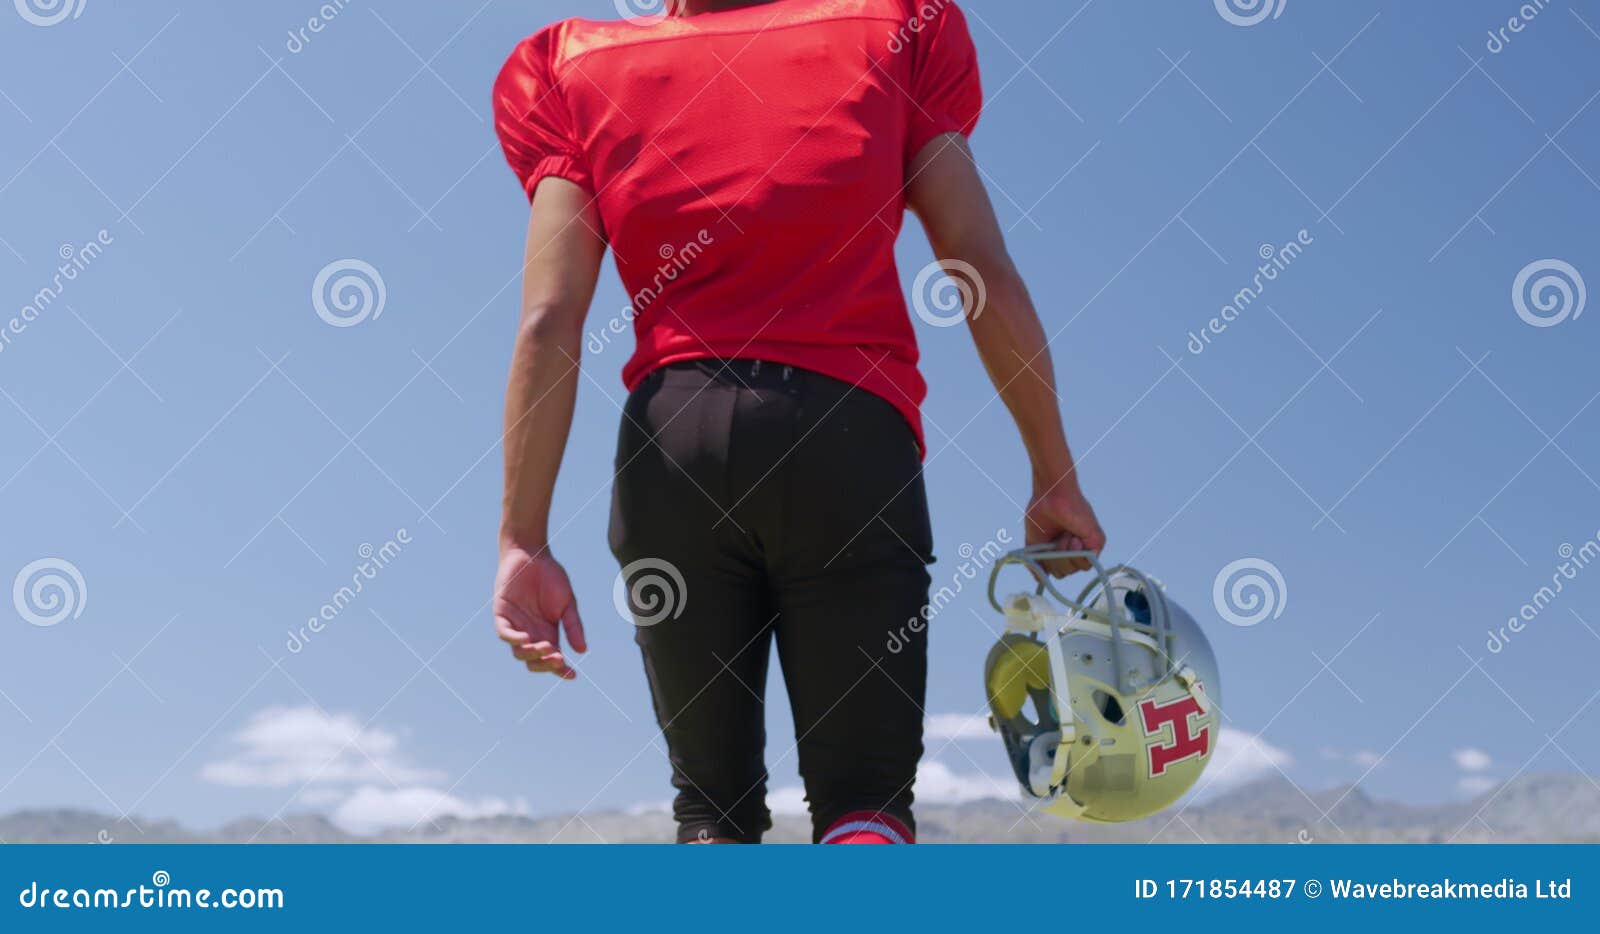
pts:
[564, 61]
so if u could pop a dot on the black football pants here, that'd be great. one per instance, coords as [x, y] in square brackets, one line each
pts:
[757, 502]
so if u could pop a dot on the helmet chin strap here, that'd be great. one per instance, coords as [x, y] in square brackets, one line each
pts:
[1050, 753]
[1047, 774]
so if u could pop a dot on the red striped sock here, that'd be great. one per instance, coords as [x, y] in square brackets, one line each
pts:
[868, 827]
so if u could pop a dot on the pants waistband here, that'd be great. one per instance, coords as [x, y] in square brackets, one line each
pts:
[740, 371]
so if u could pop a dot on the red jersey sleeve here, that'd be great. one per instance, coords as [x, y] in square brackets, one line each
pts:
[946, 93]
[532, 120]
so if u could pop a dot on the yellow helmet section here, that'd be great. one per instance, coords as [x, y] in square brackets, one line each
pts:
[1017, 666]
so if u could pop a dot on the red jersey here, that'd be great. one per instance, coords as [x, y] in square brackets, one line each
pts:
[749, 168]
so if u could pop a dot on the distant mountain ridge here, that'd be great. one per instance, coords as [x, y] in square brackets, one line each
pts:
[1556, 808]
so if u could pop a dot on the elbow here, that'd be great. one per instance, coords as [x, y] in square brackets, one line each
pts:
[554, 323]
[997, 273]
[987, 254]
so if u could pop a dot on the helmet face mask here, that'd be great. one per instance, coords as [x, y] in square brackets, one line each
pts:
[1107, 704]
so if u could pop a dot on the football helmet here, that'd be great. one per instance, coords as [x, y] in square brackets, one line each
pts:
[1123, 685]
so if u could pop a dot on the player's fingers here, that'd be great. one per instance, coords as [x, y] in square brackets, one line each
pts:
[562, 671]
[535, 650]
[531, 655]
[1072, 543]
[572, 624]
[1058, 567]
[509, 632]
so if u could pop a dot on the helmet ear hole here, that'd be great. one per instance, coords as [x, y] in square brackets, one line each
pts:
[1139, 605]
[1109, 707]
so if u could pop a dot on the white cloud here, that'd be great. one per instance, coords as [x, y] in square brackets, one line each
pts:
[292, 746]
[955, 726]
[1471, 760]
[1476, 784]
[937, 783]
[333, 761]
[320, 797]
[787, 799]
[1361, 758]
[371, 808]
[1240, 758]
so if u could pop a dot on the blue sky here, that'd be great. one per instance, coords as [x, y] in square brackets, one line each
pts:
[211, 457]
